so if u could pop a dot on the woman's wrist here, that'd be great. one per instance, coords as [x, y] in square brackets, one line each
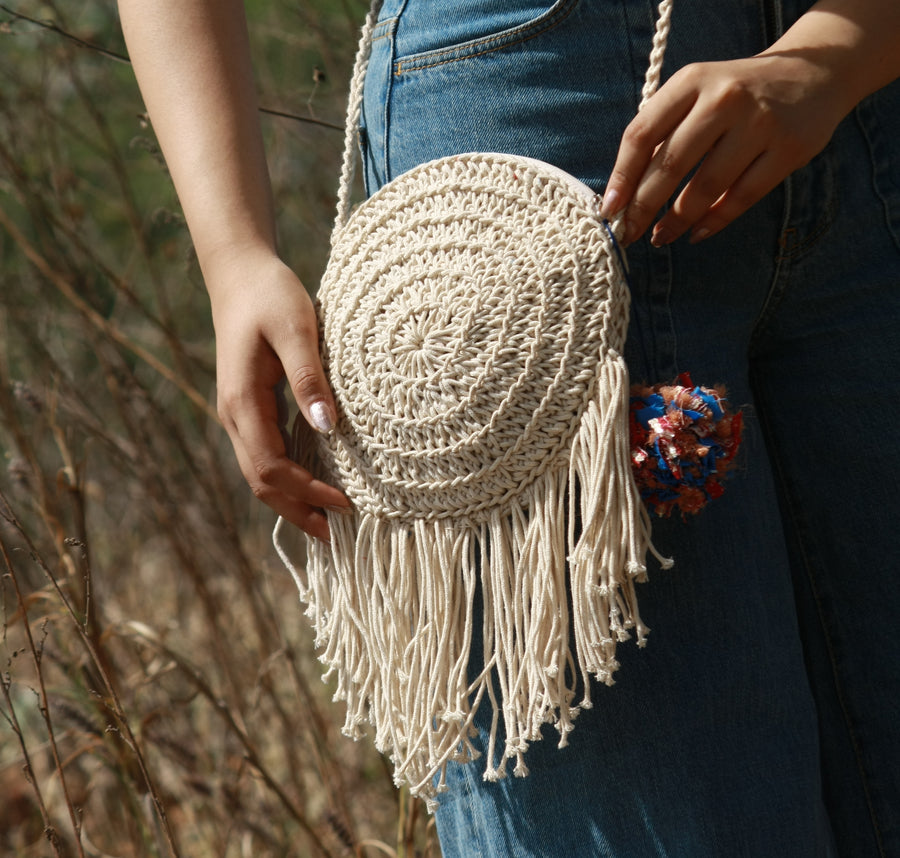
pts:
[239, 267]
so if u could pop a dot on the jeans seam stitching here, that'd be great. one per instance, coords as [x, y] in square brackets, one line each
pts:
[804, 245]
[885, 206]
[807, 569]
[394, 22]
[775, 293]
[493, 43]
[384, 28]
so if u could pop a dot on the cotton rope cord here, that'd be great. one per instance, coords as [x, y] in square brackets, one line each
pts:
[354, 109]
[473, 315]
[657, 52]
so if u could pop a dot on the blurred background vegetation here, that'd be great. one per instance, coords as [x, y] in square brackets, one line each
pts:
[160, 694]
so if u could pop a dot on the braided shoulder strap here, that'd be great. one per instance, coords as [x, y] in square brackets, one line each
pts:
[473, 315]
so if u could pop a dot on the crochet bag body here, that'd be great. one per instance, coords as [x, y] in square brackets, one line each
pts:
[473, 316]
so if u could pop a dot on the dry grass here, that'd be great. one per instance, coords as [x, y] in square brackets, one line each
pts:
[160, 696]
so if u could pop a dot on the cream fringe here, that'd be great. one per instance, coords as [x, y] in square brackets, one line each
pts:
[392, 606]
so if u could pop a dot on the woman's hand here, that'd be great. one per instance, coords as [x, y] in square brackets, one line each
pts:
[266, 330]
[746, 124]
[192, 60]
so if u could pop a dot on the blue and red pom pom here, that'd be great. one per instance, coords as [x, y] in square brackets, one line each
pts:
[683, 443]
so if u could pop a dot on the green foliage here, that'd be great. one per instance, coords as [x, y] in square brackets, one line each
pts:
[160, 693]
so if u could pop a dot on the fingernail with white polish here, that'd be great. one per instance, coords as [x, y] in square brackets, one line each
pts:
[343, 510]
[321, 417]
[611, 204]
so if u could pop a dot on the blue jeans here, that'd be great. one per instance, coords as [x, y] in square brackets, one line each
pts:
[763, 718]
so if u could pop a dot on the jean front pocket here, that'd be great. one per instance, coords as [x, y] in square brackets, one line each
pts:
[527, 77]
[467, 33]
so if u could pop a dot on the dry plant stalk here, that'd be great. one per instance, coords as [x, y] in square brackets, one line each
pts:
[160, 694]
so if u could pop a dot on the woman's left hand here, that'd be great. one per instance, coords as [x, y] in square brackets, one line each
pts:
[747, 123]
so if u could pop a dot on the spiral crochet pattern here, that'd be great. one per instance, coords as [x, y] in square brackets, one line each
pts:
[464, 312]
[473, 314]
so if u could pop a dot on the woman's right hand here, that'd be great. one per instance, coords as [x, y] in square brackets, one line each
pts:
[746, 124]
[192, 60]
[266, 331]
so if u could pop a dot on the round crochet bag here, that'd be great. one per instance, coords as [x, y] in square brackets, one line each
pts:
[473, 315]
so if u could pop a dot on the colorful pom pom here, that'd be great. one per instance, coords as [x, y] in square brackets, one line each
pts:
[683, 443]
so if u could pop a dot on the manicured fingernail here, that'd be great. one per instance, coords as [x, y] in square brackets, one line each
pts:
[611, 203]
[321, 416]
[661, 237]
[343, 510]
[699, 235]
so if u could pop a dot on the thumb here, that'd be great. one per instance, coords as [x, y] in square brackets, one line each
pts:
[306, 377]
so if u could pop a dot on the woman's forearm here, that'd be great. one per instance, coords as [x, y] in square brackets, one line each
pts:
[858, 39]
[192, 62]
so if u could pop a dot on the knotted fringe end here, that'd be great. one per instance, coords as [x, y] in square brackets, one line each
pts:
[392, 606]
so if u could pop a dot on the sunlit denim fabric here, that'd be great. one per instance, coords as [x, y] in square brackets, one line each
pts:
[763, 718]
